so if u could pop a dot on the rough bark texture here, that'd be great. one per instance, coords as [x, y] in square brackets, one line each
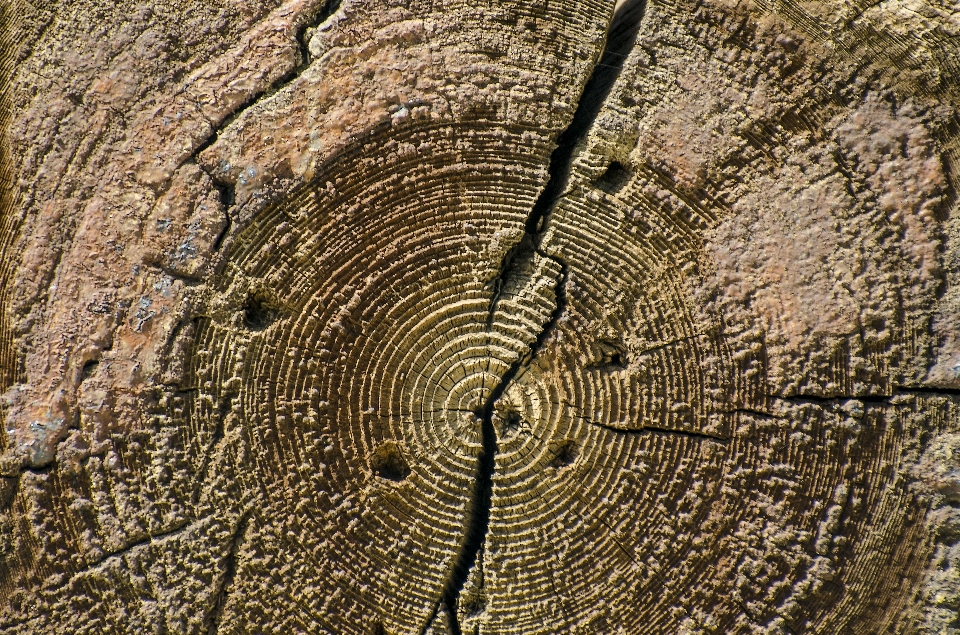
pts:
[480, 317]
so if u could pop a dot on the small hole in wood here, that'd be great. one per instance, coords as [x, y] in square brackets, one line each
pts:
[258, 312]
[388, 463]
[513, 420]
[614, 355]
[614, 178]
[564, 453]
[89, 369]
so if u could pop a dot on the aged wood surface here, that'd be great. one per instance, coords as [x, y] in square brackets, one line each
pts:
[426, 317]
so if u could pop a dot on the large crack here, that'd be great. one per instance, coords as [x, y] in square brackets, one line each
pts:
[621, 36]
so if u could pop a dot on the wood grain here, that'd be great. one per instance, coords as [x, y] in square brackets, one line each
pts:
[489, 317]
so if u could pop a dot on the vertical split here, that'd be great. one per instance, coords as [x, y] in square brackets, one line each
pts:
[621, 37]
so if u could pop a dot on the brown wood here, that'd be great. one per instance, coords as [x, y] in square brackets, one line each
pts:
[479, 317]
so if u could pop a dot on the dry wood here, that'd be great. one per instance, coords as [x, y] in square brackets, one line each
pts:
[480, 317]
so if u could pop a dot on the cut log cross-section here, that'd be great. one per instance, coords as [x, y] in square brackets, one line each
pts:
[480, 317]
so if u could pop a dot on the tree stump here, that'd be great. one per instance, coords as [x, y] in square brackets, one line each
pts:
[486, 317]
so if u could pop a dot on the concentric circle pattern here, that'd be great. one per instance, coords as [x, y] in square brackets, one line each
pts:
[454, 317]
[434, 317]
[669, 449]
[382, 296]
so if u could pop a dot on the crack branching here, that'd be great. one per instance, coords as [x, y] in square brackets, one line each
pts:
[145, 540]
[621, 36]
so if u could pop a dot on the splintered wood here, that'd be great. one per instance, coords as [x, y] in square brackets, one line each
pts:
[480, 317]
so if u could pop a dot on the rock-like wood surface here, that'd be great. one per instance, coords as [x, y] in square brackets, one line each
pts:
[416, 317]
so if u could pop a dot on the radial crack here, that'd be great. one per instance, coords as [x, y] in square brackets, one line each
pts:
[693, 434]
[621, 36]
[149, 538]
[880, 400]
[230, 571]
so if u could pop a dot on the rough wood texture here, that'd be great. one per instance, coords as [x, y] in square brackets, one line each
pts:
[480, 317]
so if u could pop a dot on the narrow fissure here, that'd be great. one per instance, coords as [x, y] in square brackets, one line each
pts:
[870, 399]
[799, 399]
[325, 12]
[227, 193]
[621, 36]
[925, 390]
[229, 573]
[219, 431]
[693, 434]
[177, 527]
[224, 188]
[513, 260]
[754, 412]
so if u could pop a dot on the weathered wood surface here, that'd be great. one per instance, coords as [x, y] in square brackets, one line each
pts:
[480, 317]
